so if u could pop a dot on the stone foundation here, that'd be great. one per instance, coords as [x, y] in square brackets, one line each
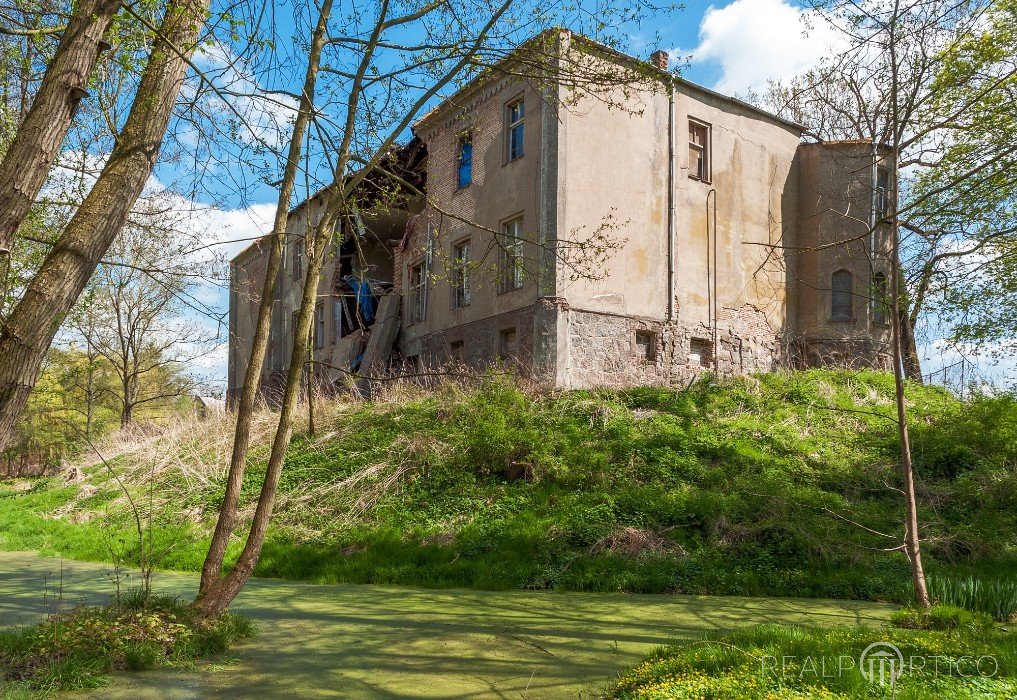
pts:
[616, 350]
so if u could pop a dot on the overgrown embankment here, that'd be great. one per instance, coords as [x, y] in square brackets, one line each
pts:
[773, 485]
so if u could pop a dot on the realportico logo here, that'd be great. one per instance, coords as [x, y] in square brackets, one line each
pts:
[880, 663]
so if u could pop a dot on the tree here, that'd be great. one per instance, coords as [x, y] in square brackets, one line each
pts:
[941, 97]
[29, 329]
[887, 88]
[37, 140]
[133, 317]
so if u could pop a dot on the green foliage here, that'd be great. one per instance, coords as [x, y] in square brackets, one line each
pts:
[730, 487]
[943, 618]
[771, 662]
[80, 648]
[995, 597]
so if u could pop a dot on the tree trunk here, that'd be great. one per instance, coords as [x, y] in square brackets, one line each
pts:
[214, 598]
[912, 546]
[37, 142]
[909, 350]
[211, 569]
[29, 330]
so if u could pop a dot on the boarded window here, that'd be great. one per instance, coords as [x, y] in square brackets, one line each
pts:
[841, 296]
[465, 170]
[699, 150]
[514, 117]
[510, 255]
[646, 345]
[880, 299]
[461, 274]
[507, 347]
[699, 352]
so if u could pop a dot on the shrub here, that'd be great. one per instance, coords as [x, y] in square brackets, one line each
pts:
[79, 648]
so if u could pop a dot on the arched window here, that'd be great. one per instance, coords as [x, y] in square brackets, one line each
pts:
[841, 296]
[880, 299]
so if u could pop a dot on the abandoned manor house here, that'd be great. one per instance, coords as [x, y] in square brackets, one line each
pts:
[638, 233]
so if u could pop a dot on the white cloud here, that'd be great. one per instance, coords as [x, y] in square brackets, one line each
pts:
[753, 41]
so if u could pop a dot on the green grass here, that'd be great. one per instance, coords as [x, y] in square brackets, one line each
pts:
[960, 656]
[81, 648]
[730, 487]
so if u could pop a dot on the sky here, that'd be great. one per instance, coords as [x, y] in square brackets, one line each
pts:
[732, 47]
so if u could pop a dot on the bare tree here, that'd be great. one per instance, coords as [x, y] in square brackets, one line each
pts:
[134, 318]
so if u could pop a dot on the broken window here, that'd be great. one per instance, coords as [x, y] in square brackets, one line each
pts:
[699, 150]
[510, 255]
[319, 325]
[461, 274]
[417, 286]
[700, 352]
[880, 299]
[646, 345]
[465, 171]
[456, 350]
[515, 114]
[507, 343]
[841, 295]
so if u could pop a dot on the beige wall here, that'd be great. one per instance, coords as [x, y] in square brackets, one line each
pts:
[500, 191]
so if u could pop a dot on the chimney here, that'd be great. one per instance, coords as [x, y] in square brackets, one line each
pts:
[659, 59]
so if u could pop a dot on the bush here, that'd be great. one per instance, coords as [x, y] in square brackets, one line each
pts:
[80, 648]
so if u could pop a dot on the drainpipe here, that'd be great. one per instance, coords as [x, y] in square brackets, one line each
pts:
[711, 275]
[670, 201]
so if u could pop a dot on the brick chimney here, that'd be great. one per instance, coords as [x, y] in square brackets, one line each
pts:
[659, 59]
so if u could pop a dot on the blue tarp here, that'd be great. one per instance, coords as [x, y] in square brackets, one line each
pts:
[365, 298]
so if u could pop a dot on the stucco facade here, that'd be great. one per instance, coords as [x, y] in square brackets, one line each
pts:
[637, 234]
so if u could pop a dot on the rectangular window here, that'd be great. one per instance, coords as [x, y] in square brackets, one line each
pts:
[882, 193]
[510, 255]
[507, 343]
[699, 151]
[319, 325]
[417, 286]
[515, 115]
[646, 345]
[456, 350]
[465, 172]
[461, 274]
[841, 296]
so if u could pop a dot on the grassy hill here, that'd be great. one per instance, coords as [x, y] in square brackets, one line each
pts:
[753, 486]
